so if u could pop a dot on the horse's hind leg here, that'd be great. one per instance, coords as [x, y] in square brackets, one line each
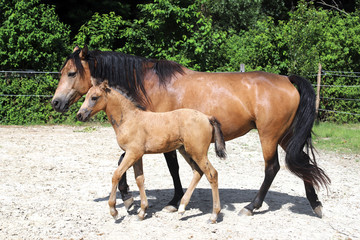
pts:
[201, 166]
[197, 174]
[124, 188]
[173, 165]
[311, 195]
[139, 176]
[212, 176]
[271, 168]
[309, 188]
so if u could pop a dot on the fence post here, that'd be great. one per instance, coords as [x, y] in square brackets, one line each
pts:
[318, 91]
[242, 67]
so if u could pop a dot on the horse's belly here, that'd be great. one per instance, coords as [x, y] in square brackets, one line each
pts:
[161, 145]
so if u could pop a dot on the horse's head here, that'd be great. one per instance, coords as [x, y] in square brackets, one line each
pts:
[74, 82]
[95, 101]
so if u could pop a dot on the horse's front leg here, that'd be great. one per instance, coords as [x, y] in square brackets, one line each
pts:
[127, 162]
[139, 177]
[126, 196]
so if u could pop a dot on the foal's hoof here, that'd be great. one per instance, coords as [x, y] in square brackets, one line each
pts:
[141, 215]
[318, 211]
[245, 212]
[128, 203]
[212, 219]
[114, 213]
[169, 208]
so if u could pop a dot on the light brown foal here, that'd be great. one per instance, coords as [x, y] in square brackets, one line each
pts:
[139, 132]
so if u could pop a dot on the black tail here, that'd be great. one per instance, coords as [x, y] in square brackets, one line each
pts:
[297, 160]
[218, 138]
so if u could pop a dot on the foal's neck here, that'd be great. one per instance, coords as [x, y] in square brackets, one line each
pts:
[119, 108]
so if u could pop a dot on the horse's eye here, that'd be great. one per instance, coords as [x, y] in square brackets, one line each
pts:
[94, 98]
[71, 74]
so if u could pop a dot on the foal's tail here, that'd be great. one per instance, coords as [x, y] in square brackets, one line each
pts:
[218, 138]
[296, 159]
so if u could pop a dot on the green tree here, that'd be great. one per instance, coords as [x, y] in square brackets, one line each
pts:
[31, 36]
[175, 30]
[101, 32]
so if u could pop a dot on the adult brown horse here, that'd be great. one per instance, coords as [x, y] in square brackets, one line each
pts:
[282, 114]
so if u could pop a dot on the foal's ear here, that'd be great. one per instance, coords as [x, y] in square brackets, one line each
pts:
[83, 52]
[76, 48]
[105, 86]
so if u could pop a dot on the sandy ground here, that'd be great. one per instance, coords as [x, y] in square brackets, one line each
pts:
[55, 182]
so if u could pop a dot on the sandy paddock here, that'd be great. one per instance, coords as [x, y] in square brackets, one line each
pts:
[55, 182]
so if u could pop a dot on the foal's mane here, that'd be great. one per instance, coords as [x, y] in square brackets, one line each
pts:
[125, 71]
[129, 98]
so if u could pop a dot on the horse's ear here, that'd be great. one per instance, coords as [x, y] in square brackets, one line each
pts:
[76, 48]
[83, 52]
[105, 86]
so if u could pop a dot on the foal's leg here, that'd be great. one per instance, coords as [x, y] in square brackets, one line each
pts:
[127, 162]
[271, 168]
[139, 176]
[212, 176]
[124, 188]
[201, 166]
[197, 174]
[173, 165]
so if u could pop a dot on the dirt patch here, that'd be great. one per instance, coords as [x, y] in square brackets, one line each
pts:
[55, 182]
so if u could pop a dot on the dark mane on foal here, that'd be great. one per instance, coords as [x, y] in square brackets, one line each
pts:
[126, 71]
[123, 93]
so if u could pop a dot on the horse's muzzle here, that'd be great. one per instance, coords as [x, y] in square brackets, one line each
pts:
[83, 116]
[60, 105]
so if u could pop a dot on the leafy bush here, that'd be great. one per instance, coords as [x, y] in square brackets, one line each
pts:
[31, 36]
[341, 94]
[178, 31]
[33, 109]
[101, 32]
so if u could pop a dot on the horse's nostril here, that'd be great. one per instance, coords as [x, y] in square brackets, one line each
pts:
[55, 103]
[79, 117]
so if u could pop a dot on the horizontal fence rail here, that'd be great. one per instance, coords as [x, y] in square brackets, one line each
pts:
[324, 73]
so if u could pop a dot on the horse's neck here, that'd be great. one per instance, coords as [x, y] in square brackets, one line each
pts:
[119, 109]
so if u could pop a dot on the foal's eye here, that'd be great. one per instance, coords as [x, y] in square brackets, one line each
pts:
[94, 98]
[71, 74]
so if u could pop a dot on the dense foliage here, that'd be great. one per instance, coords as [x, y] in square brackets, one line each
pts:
[31, 36]
[205, 35]
[33, 101]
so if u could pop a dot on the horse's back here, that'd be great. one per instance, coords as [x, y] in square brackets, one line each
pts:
[240, 101]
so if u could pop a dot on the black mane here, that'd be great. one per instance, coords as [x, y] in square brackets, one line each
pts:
[126, 71]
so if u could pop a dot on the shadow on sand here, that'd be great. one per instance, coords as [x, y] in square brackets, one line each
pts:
[202, 200]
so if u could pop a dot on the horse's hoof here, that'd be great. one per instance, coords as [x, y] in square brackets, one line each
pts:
[181, 209]
[128, 203]
[212, 219]
[170, 209]
[318, 211]
[245, 212]
[114, 213]
[141, 216]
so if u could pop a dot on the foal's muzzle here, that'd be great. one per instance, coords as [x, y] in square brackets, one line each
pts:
[83, 116]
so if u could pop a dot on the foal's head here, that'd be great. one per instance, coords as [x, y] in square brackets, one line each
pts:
[95, 101]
